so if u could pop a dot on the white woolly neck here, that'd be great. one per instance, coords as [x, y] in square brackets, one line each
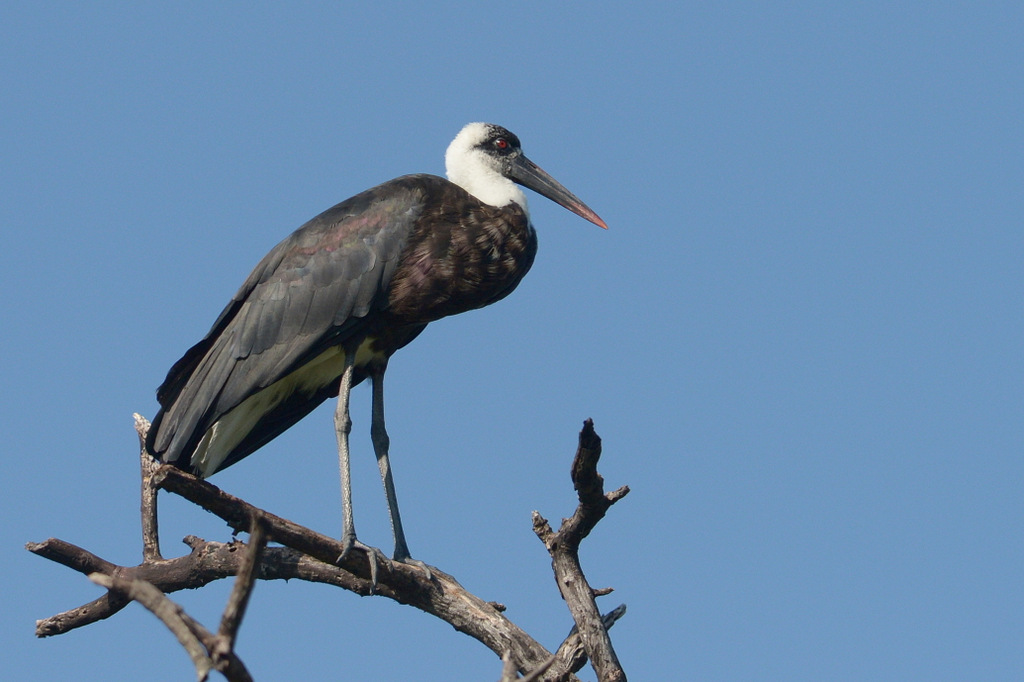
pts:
[470, 167]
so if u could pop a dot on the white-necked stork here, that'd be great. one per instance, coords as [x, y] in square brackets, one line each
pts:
[328, 306]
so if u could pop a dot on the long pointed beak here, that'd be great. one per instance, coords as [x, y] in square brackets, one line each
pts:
[530, 175]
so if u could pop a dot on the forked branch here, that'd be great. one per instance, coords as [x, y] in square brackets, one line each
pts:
[311, 556]
[563, 546]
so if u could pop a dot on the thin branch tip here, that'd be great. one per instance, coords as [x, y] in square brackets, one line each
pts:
[141, 423]
[616, 495]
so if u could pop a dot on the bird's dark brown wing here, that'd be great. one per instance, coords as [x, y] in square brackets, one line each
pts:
[314, 290]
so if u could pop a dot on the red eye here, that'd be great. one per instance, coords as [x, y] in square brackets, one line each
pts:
[501, 143]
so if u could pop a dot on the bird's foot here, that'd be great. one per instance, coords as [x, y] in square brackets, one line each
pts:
[409, 561]
[373, 555]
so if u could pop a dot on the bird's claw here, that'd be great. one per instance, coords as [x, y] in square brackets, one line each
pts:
[376, 557]
[409, 561]
[373, 555]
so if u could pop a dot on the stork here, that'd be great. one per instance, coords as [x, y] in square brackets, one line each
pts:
[329, 305]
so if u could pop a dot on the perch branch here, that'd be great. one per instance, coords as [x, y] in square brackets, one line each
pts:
[310, 556]
[440, 595]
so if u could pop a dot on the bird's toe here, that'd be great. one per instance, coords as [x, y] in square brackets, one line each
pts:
[374, 556]
[409, 561]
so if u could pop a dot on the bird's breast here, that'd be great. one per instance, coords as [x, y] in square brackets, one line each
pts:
[451, 266]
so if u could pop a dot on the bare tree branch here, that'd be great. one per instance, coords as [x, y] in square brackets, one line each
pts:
[167, 611]
[563, 546]
[239, 599]
[150, 530]
[310, 556]
[208, 561]
[572, 648]
[440, 595]
[508, 670]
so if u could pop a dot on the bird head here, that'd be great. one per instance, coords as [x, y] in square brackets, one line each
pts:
[487, 161]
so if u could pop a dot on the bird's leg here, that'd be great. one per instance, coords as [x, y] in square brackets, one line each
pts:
[381, 443]
[343, 426]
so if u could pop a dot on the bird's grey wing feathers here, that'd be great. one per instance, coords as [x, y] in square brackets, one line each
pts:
[310, 292]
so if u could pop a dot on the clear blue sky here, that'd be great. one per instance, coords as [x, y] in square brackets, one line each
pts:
[801, 339]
